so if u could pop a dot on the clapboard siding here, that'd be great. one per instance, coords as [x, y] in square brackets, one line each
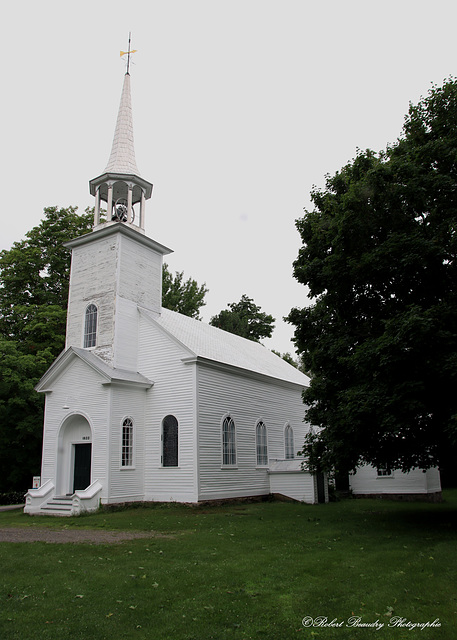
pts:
[366, 481]
[126, 335]
[299, 486]
[140, 274]
[110, 272]
[247, 399]
[93, 280]
[78, 391]
[160, 360]
[126, 484]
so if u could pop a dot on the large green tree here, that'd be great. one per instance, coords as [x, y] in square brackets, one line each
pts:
[184, 296]
[244, 318]
[380, 337]
[34, 279]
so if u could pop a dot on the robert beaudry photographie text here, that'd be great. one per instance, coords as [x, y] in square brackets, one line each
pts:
[358, 622]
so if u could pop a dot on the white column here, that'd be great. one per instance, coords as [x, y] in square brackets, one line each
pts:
[142, 207]
[129, 203]
[97, 207]
[109, 205]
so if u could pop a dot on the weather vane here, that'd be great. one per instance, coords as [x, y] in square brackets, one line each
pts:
[128, 54]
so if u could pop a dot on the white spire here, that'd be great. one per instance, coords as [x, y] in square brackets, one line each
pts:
[122, 158]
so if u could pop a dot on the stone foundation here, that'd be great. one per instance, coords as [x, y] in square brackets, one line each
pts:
[403, 497]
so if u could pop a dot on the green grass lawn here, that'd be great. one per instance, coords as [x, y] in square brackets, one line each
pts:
[240, 571]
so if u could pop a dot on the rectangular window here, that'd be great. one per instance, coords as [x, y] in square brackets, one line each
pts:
[127, 443]
[384, 473]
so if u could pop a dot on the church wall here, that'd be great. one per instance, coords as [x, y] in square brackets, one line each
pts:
[77, 391]
[126, 483]
[247, 399]
[172, 394]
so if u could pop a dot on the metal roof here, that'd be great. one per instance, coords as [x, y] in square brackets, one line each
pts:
[205, 341]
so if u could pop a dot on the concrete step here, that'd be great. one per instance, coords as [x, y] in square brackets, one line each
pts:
[59, 505]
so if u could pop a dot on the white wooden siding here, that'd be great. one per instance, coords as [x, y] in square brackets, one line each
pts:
[247, 399]
[92, 280]
[140, 274]
[126, 483]
[125, 354]
[77, 391]
[367, 481]
[299, 486]
[173, 393]
[111, 273]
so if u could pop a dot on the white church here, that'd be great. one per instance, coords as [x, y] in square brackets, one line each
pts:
[145, 404]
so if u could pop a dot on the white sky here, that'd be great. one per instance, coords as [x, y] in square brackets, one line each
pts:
[239, 106]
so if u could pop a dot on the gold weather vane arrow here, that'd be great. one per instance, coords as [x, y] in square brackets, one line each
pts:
[128, 54]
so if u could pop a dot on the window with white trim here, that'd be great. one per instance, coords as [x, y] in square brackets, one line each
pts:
[289, 442]
[90, 326]
[228, 442]
[261, 444]
[170, 441]
[384, 473]
[127, 443]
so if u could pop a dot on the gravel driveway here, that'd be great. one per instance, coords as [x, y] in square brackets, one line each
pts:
[90, 536]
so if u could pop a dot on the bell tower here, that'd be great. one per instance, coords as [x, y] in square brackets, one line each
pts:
[120, 186]
[116, 269]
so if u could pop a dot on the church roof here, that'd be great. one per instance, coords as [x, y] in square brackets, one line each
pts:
[122, 158]
[211, 343]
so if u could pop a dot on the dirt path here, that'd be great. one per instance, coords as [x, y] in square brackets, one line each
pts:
[88, 536]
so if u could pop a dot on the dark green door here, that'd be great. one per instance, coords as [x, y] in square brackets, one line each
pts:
[83, 453]
[320, 487]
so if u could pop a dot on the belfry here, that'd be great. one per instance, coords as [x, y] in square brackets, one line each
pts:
[120, 185]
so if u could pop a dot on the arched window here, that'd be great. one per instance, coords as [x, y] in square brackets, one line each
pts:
[261, 444]
[170, 442]
[228, 442]
[90, 326]
[127, 443]
[289, 442]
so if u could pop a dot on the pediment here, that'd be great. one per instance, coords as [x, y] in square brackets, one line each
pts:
[108, 375]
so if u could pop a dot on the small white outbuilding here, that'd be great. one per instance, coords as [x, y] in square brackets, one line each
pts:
[369, 482]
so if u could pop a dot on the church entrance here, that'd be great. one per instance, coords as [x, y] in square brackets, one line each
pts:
[81, 476]
[74, 455]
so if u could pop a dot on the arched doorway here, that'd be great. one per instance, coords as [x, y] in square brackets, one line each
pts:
[74, 455]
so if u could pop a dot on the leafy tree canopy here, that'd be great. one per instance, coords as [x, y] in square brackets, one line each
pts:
[380, 339]
[244, 318]
[184, 296]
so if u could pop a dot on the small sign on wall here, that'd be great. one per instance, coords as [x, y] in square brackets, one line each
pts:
[36, 482]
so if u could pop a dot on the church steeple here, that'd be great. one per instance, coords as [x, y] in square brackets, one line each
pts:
[122, 158]
[121, 186]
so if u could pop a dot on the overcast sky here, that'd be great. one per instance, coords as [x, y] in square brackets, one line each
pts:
[239, 106]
